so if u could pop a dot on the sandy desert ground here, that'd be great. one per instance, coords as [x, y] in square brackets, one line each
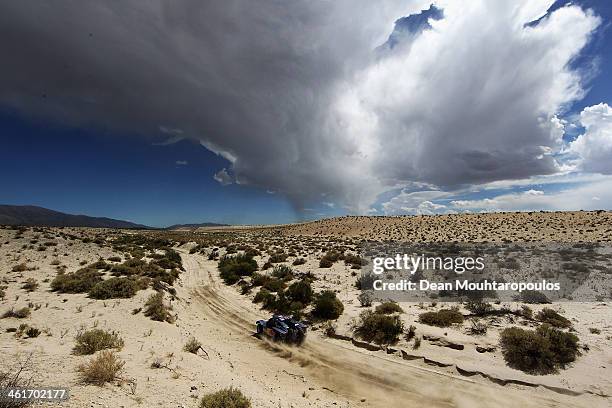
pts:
[451, 368]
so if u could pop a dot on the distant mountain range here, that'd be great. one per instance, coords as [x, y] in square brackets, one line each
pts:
[30, 215]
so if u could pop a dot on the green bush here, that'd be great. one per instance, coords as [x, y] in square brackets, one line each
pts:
[441, 318]
[156, 309]
[300, 291]
[80, 281]
[114, 288]
[327, 305]
[553, 318]
[90, 341]
[232, 268]
[389, 308]
[226, 398]
[541, 351]
[379, 328]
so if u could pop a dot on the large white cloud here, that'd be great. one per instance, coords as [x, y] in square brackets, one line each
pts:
[294, 94]
[594, 147]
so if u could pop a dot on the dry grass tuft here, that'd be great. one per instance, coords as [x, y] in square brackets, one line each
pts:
[103, 368]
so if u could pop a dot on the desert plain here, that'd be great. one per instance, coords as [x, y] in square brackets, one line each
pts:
[426, 365]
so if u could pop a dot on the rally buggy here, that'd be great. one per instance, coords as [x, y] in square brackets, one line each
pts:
[282, 328]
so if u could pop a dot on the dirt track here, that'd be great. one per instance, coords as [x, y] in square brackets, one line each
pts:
[344, 373]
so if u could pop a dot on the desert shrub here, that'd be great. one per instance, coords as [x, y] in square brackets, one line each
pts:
[365, 299]
[113, 288]
[18, 314]
[278, 257]
[174, 256]
[168, 262]
[156, 310]
[441, 318]
[410, 333]
[124, 270]
[478, 328]
[478, 308]
[389, 308]
[18, 375]
[192, 346]
[280, 305]
[417, 342]
[533, 297]
[541, 351]
[100, 264]
[379, 328]
[134, 263]
[299, 261]
[22, 267]
[365, 282]
[273, 284]
[553, 318]
[355, 261]
[245, 288]
[594, 330]
[80, 281]
[155, 272]
[32, 332]
[114, 259]
[226, 398]
[258, 279]
[300, 291]
[327, 305]
[526, 312]
[325, 263]
[234, 267]
[2, 292]
[90, 341]
[265, 297]
[103, 368]
[283, 272]
[30, 285]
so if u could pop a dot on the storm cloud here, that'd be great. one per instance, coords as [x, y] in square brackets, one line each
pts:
[298, 96]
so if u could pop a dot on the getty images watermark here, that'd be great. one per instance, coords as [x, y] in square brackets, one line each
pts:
[459, 265]
[503, 271]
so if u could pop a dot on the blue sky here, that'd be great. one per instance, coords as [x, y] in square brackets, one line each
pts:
[84, 171]
[303, 121]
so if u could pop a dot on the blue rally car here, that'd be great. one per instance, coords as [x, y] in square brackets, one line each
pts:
[282, 328]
